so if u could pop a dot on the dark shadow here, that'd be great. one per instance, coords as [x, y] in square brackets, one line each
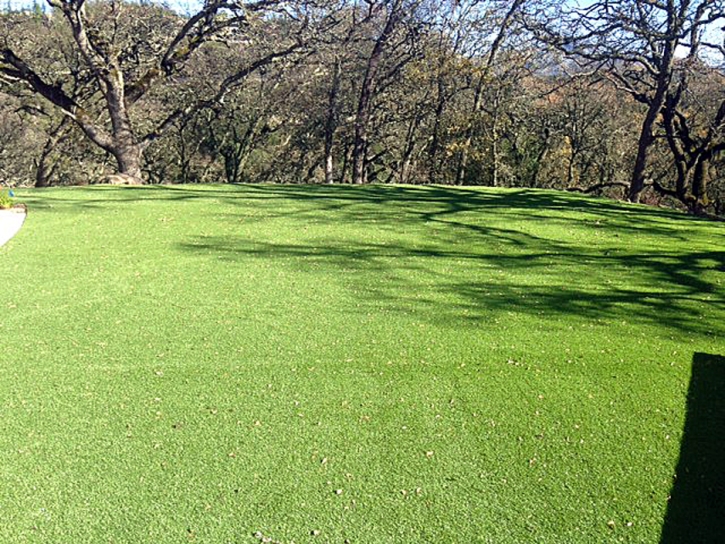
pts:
[696, 511]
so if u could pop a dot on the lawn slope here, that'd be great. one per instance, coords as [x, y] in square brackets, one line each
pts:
[331, 364]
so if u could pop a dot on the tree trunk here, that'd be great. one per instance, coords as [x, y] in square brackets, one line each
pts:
[536, 182]
[331, 123]
[570, 171]
[646, 136]
[468, 142]
[128, 159]
[362, 118]
[360, 142]
[699, 185]
[436, 138]
[44, 171]
[495, 151]
[345, 161]
[124, 147]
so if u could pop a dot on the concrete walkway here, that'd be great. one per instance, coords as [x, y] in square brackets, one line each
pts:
[10, 223]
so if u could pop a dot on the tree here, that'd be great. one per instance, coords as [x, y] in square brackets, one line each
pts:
[500, 34]
[395, 38]
[634, 43]
[693, 119]
[125, 50]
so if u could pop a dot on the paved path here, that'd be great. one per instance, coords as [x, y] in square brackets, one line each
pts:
[10, 223]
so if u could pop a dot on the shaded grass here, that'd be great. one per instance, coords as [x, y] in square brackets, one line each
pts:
[206, 363]
[695, 509]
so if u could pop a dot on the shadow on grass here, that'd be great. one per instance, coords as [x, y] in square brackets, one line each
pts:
[444, 203]
[696, 511]
[461, 280]
[430, 203]
[473, 251]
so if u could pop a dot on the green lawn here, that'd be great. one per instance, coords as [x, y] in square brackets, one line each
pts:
[374, 365]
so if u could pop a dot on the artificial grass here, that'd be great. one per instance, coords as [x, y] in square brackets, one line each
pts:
[231, 364]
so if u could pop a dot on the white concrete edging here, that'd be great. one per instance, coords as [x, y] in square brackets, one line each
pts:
[10, 222]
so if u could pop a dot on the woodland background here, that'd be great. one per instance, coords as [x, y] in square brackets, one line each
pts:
[622, 98]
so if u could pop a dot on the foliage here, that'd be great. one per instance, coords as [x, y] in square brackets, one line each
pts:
[6, 199]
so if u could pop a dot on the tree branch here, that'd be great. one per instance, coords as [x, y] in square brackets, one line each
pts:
[226, 86]
[13, 66]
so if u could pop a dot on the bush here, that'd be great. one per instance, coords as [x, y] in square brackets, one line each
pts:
[6, 200]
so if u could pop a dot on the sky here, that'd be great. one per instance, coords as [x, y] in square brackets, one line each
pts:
[188, 7]
[182, 6]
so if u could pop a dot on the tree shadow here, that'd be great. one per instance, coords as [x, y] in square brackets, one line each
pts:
[696, 510]
[431, 203]
[587, 269]
[444, 203]
[529, 275]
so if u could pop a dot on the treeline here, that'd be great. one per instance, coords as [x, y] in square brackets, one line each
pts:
[500, 93]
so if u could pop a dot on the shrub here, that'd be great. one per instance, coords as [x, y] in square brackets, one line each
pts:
[6, 200]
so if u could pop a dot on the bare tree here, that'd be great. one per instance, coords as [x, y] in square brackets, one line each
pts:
[394, 38]
[125, 50]
[500, 34]
[693, 119]
[635, 43]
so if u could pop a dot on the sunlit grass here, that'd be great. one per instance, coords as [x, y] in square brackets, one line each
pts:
[376, 364]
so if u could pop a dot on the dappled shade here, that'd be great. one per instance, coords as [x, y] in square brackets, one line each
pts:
[653, 285]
